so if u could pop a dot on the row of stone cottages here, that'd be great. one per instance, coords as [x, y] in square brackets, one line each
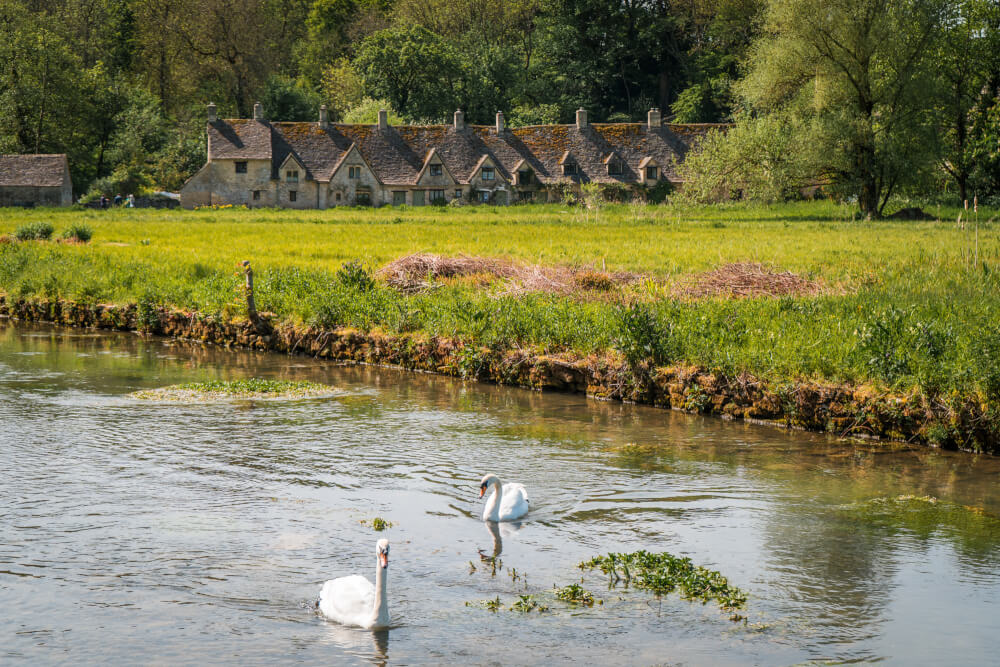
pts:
[35, 180]
[255, 162]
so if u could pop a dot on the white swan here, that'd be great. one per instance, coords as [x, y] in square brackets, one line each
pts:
[354, 601]
[506, 503]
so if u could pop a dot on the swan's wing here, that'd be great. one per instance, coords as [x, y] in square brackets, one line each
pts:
[348, 599]
[514, 503]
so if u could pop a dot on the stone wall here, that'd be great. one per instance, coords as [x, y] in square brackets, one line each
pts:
[23, 195]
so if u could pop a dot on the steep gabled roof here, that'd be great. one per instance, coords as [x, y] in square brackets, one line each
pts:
[431, 154]
[397, 155]
[39, 170]
[353, 148]
[239, 139]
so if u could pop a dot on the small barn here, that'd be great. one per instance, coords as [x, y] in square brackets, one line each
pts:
[35, 180]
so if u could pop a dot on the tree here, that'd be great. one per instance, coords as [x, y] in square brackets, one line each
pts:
[858, 71]
[417, 71]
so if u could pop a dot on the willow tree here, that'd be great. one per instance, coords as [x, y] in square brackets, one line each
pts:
[856, 73]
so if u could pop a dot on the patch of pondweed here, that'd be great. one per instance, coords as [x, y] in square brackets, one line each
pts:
[925, 515]
[663, 573]
[577, 595]
[252, 388]
[527, 604]
[493, 604]
[378, 524]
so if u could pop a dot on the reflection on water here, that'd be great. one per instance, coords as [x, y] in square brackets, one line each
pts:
[187, 533]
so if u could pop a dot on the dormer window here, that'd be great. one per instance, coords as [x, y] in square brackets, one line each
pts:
[615, 167]
[241, 167]
[354, 172]
[569, 169]
[488, 174]
[436, 170]
[292, 176]
[652, 173]
[524, 177]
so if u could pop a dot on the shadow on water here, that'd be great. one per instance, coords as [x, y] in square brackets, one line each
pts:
[198, 529]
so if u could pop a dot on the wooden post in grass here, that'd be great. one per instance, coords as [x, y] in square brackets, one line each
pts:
[258, 323]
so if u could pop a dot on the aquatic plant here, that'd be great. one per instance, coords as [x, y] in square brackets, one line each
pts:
[490, 605]
[245, 388]
[378, 524]
[527, 604]
[576, 594]
[663, 573]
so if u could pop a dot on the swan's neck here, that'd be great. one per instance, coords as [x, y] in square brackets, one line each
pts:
[381, 610]
[493, 507]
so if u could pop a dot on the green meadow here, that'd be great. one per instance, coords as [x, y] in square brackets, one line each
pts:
[904, 304]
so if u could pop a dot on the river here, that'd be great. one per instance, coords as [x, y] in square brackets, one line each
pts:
[189, 533]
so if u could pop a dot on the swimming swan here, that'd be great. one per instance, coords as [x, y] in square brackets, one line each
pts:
[354, 601]
[506, 503]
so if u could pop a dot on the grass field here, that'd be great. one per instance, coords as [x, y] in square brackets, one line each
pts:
[907, 303]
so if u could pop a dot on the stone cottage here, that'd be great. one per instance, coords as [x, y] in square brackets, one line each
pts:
[255, 162]
[35, 180]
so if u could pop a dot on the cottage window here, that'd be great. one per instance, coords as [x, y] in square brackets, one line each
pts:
[398, 197]
[241, 167]
[354, 172]
[458, 194]
[484, 196]
[615, 168]
[292, 176]
[488, 174]
[338, 196]
[437, 196]
[292, 195]
[652, 173]
[524, 176]
[363, 199]
[436, 170]
[569, 169]
[256, 195]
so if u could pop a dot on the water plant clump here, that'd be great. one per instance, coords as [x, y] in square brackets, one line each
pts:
[527, 604]
[493, 604]
[663, 573]
[577, 595]
[235, 389]
[925, 515]
[378, 524]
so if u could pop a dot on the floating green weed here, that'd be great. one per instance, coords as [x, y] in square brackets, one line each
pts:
[378, 524]
[576, 594]
[490, 605]
[527, 604]
[240, 389]
[663, 573]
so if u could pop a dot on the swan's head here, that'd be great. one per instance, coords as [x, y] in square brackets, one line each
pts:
[487, 482]
[382, 552]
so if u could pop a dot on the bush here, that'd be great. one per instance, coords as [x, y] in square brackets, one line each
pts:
[78, 232]
[354, 274]
[640, 337]
[34, 231]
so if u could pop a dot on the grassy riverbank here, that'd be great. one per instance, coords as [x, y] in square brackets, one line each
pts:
[902, 305]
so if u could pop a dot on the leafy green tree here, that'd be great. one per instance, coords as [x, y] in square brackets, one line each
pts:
[417, 71]
[855, 72]
[284, 99]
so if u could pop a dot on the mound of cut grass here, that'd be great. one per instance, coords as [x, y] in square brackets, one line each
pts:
[252, 388]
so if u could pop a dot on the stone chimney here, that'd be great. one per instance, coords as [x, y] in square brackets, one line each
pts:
[324, 117]
[383, 119]
[459, 120]
[258, 111]
[499, 122]
[581, 119]
[212, 117]
[653, 118]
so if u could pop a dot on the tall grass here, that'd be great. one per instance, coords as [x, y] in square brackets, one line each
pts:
[910, 311]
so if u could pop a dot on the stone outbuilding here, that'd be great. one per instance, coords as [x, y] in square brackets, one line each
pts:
[35, 180]
[256, 162]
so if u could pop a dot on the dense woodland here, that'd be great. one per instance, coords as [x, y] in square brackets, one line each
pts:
[867, 98]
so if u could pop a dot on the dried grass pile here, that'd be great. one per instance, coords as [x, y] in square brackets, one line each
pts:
[745, 280]
[419, 271]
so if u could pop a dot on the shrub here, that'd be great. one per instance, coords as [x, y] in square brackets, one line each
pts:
[594, 280]
[78, 232]
[640, 337]
[354, 274]
[34, 231]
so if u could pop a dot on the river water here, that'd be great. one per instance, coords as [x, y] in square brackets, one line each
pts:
[187, 533]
